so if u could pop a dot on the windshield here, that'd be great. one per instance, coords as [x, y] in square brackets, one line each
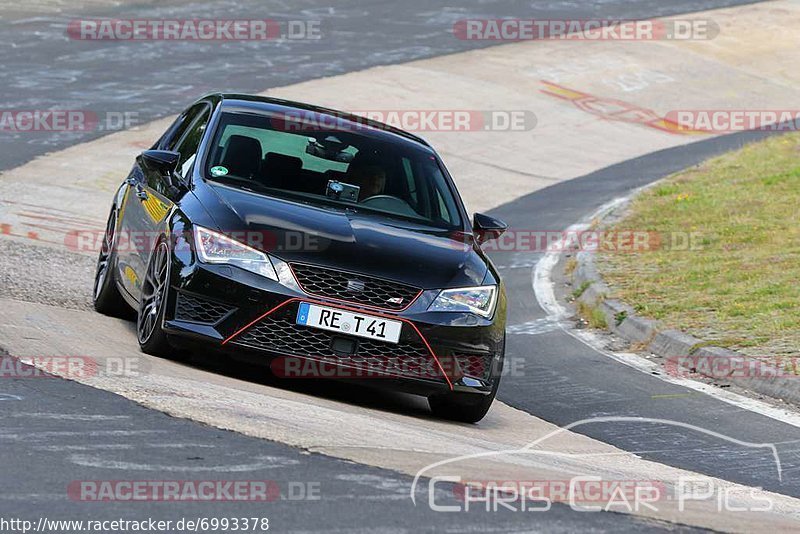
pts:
[331, 167]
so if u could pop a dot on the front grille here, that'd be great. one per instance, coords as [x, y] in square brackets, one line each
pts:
[280, 334]
[475, 365]
[200, 310]
[356, 288]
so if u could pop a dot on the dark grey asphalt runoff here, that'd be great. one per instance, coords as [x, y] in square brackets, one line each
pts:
[42, 68]
[55, 434]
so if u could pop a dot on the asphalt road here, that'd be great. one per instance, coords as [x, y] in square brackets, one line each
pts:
[43, 69]
[56, 434]
[56, 431]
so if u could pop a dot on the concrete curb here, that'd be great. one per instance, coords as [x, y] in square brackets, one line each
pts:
[686, 356]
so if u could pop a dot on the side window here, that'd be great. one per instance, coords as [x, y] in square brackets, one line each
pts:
[188, 146]
[180, 126]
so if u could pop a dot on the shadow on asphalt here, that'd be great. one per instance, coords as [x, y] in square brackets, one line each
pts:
[348, 392]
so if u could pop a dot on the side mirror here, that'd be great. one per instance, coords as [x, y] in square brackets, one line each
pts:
[487, 228]
[163, 162]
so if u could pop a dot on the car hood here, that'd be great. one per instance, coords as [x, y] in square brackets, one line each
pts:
[343, 239]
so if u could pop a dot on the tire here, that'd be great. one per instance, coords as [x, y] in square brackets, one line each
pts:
[105, 294]
[466, 407]
[153, 302]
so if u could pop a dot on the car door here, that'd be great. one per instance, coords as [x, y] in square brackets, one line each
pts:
[149, 199]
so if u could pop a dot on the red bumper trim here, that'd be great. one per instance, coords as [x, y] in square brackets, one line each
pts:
[356, 310]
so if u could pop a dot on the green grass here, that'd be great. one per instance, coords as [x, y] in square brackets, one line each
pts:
[578, 293]
[739, 287]
[592, 315]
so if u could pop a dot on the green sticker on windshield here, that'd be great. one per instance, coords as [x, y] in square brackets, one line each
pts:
[219, 171]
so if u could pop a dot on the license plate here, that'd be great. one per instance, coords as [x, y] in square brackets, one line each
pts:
[345, 322]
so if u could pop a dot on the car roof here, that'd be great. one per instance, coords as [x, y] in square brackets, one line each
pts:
[256, 103]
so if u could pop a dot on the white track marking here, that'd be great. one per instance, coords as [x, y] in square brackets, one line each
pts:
[261, 462]
[544, 290]
[71, 417]
[120, 446]
[27, 436]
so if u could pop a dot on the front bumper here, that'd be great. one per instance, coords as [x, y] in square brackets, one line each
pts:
[241, 312]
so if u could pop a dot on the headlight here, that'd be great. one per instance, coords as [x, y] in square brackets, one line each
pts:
[213, 247]
[478, 300]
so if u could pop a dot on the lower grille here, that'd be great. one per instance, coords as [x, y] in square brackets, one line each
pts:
[280, 334]
[200, 310]
[475, 365]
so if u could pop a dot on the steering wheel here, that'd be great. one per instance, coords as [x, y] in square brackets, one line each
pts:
[382, 197]
[389, 203]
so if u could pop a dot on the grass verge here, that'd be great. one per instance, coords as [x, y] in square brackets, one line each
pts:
[592, 315]
[738, 285]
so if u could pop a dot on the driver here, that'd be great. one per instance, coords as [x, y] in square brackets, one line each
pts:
[371, 179]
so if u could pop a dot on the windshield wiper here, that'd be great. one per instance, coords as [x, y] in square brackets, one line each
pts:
[252, 185]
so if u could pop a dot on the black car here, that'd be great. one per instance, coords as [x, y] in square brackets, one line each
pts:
[329, 243]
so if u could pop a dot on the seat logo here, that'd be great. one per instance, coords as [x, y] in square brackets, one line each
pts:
[356, 286]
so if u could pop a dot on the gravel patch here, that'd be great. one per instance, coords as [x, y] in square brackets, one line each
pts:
[45, 275]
